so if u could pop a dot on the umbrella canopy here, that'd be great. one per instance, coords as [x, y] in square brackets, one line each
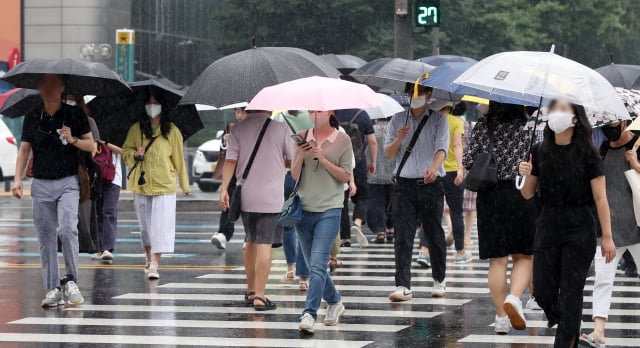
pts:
[240, 76]
[621, 75]
[530, 76]
[80, 77]
[441, 78]
[345, 63]
[115, 115]
[315, 93]
[391, 73]
[388, 108]
[443, 59]
[630, 98]
[18, 101]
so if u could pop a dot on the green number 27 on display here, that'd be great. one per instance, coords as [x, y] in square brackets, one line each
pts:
[425, 12]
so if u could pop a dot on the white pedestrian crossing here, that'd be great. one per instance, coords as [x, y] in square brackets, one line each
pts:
[204, 310]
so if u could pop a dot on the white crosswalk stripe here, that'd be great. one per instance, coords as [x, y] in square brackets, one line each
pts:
[206, 310]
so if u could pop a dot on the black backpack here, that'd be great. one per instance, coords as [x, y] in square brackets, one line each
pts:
[357, 139]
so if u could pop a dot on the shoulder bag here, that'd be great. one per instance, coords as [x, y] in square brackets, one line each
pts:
[484, 172]
[405, 156]
[291, 212]
[236, 198]
[633, 178]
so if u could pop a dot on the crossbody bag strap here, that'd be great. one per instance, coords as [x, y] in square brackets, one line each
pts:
[353, 119]
[255, 149]
[146, 149]
[412, 143]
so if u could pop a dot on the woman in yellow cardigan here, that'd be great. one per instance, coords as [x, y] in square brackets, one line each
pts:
[153, 149]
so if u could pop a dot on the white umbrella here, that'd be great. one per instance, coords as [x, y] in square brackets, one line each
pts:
[530, 76]
[388, 108]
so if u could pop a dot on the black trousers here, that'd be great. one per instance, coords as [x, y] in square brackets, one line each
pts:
[361, 198]
[454, 194]
[560, 267]
[345, 222]
[227, 227]
[413, 203]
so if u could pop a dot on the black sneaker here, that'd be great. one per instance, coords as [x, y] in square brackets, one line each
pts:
[345, 245]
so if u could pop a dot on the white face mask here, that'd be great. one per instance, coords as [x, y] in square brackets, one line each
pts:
[70, 102]
[420, 101]
[153, 110]
[560, 121]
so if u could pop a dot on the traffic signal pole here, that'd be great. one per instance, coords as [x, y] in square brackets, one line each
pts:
[403, 29]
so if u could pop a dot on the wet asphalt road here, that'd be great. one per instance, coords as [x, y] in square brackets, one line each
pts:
[198, 300]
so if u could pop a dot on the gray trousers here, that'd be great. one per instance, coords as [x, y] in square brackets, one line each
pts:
[55, 213]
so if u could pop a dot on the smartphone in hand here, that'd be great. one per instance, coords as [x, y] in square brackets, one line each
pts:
[299, 139]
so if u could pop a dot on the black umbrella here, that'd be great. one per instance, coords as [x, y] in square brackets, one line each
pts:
[80, 77]
[240, 76]
[115, 115]
[391, 73]
[621, 75]
[19, 101]
[441, 59]
[345, 63]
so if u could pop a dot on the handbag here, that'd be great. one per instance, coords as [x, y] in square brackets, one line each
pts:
[141, 179]
[291, 212]
[235, 203]
[484, 171]
[633, 178]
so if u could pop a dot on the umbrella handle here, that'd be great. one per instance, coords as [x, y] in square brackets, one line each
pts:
[520, 180]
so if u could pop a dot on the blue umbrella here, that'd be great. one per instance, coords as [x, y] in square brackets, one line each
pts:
[441, 79]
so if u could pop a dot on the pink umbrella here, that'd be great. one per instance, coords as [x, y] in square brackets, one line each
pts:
[317, 94]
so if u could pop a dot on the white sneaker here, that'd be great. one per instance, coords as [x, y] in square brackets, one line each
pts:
[532, 305]
[334, 312]
[502, 325]
[513, 307]
[71, 291]
[219, 240]
[152, 272]
[107, 256]
[53, 298]
[357, 232]
[96, 256]
[306, 324]
[401, 294]
[439, 289]
[463, 258]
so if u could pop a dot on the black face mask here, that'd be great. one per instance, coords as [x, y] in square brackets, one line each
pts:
[612, 133]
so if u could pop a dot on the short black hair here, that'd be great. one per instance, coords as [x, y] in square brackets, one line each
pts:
[421, 88]
[459, 109]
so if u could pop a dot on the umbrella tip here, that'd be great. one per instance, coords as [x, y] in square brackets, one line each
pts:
[553, 48]
[611, 57]
[253, 41]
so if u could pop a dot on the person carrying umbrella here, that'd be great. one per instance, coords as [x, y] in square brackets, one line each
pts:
[568, 175]
[418, 142]
[153, 151]
[55, 132]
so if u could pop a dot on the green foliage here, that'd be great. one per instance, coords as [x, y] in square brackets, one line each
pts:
[589, 31]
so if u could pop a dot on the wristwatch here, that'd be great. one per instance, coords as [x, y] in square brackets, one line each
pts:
[75, 140]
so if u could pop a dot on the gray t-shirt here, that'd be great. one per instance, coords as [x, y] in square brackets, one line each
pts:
[319, 191]
[263, 191]
[384, 166]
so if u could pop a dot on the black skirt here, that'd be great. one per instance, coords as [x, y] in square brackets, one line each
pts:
[506, 222]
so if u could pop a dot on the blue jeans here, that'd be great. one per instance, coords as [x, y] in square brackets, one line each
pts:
[316, 234]
[292, 251]
[290, 244]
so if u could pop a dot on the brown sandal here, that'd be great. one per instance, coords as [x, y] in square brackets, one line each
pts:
[334, 264]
